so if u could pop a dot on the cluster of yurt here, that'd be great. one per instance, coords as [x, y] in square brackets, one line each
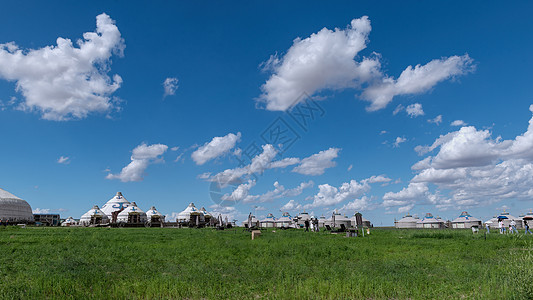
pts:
[193, 217]
[286, 221]
[507, 218]
[14, 210]
[118, 210]
[428, 221]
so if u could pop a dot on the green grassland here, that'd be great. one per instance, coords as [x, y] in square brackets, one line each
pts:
[165, 263]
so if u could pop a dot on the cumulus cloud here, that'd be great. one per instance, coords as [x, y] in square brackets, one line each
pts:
[291, 206]
[316, 164]
[330, 196]
[458, 123]
[240, 193]
[437, 120]
[325, 60]
[414, 110]
[278, 192]
[470, 168]
[170, 86]
[416, 80]
[398, 141]
[65, 82]
[363, 203]
[63, 160]
[41, 211]
[142, 156]
[218, 146]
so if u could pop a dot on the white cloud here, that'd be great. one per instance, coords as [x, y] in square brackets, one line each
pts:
[65, 82]
[63, 160]
[398, 109]
[329, 195]
[414, 110]
[142, 156]
[471, 168]
[279, 192]
[325, 60]
[218, 146]
[360, 204]
[458, 123]
[171, 86]
[416, 80]
[316, 164]
[240, 193]
[291, 205]
[377, 179]
[437, 120]
[398, 141]
[41, 211]
[350, 168]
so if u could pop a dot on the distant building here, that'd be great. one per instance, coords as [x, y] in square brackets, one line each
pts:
[132, 215]
[95, 216]
[13, 209]
[47, 219]
[269, 221]
[285, 221]
[408, 221]
[465, 220]
[429, 221]
[115, 205]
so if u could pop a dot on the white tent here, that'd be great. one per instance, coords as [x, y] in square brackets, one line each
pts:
[132, 215]
[302, 217]
[465, 220]
[429, 221]
[69, 222]
[285, 221]
[191, 211]
[408, 221]
[117, 203]
[269, 221]
[93, 217]
[507, 218]
[153, 215]
[14, 209]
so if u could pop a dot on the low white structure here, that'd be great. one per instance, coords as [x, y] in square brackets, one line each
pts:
[94, 216]
[465, 220]
[69, 222]
[285, 221]
[191, 215]
[322, 221]
[302, 217]
[269, 221]
[507, 218]
[429, 221]
[337, 219]
[154, 216]
[408, 221]
[115, 204]
[13, 209]
[493, 222]
[366, 222]
[132, 215]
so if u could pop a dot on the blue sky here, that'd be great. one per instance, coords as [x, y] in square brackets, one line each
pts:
[70, 125]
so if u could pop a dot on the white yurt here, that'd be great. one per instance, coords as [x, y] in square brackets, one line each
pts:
[493, 222]
[322, 221]
[269, 221]
[93, 217]
[207, 215]
[285, 221]
[302, 217]
[115, 204]
[507, 218]
[132, 215]
[13, 209]
[69, 222]
[153, 215]
[191, 214]
[337, 219]
[429, 221]
[408, 221]
[465, 220]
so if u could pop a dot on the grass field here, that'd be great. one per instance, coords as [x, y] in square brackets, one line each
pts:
[102, 263]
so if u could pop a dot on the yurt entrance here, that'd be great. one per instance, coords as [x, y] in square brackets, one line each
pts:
[96, 219]
[134, 218]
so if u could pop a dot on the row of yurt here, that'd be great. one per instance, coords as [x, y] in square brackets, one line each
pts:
[428, 221]
[13, 209]
[286, 221]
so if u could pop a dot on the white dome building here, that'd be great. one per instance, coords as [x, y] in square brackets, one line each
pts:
[302, 217]
[285, 221]
[429, 221]
[337, 219]
[465, 220]
[191, 214]
[154, 216]
[93, 217]
[13, 209]
[132, 215]
[115, 204]
[69, 222]
[406, 222]
[269, 221]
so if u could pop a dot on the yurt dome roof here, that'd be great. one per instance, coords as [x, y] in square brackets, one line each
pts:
[269, 218]
[286, 217]
[408, 219]
[116, 203]
[429, 218]
[153, 212]
[189, 210]
[132, 209]
[96, 212]
[510, 217]
[465, 217]
[14, 208]
[205, 212]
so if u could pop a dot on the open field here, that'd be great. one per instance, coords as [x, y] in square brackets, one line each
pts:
[79, 263]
